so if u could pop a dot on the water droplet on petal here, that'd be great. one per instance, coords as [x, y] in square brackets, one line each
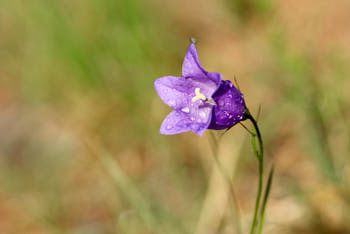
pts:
[172, 102]
[202, 114]
[227, 102]
[168, 127]
[185, 109]
[192, 118]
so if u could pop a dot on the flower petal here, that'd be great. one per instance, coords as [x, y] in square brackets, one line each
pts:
[174, 91]
[215, 77]
[201, 119]
[191, 66]
[175, 122]
[182, 121]
[230, 107]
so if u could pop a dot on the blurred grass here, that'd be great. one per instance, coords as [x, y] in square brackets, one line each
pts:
[78, 70]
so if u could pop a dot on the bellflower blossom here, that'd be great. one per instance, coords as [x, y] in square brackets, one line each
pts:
[200, 99]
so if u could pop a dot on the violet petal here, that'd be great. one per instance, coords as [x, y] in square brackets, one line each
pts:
[173, 91]
[178, 121]
[192, 68]
[229, 107]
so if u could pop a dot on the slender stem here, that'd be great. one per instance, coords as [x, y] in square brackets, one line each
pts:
[260, 156]
[266, 196]
[256, 127]
[230, 183]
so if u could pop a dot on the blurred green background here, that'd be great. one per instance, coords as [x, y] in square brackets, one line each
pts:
[80, 151]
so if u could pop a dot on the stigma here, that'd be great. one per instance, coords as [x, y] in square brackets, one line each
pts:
[198, 96]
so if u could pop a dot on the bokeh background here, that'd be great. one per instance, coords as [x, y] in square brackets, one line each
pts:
[80, 151]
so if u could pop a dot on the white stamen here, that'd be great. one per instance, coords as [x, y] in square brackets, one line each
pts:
[198, 96]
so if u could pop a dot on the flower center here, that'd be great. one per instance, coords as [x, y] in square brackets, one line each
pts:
[198, 96]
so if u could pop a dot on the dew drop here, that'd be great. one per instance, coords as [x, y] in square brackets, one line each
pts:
[202, 114]
[172, 102]
[168, 127]
[192, 118]
[185, 109]
[228, 102]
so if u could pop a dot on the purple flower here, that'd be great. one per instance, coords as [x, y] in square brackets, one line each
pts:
[200, 99]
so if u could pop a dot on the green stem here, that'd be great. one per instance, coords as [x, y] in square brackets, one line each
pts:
[260, 156]
[266, 196]
[258, 134]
